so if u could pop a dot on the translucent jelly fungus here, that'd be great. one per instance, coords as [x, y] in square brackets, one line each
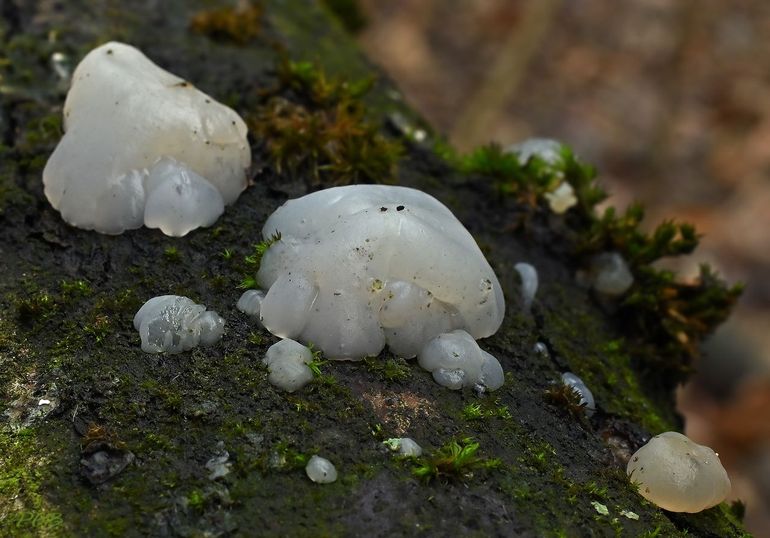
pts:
[405, 446]
[529, 283]
[586, 397]
[457, 361]
[287, 361]
[320, 470]
[143, 146]
[547, 149]
[250, 302]
[362, 266]
[678, 474]
[561, 198]
[610, 274]
[172, 324]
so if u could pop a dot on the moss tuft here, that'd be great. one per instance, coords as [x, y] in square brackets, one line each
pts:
[456, 459]
[391, 369]
[236, 25]
[253, 261]
[321, 130]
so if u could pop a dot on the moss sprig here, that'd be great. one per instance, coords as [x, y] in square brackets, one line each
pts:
[456, 459]
[669, 315]
[253, 261]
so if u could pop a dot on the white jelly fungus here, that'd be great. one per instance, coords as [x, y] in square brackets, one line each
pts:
[250, 302]
[529, 282]
[320, 470]
[287, 361]
[561, 198]
[143, 146]
[610, 274]
[678, 474]
[405, 446]
[547, 149]
[586, 397]
[456, 361]
[172, 324]
[362, 266]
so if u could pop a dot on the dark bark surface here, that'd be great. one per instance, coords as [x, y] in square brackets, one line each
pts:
[122, 445]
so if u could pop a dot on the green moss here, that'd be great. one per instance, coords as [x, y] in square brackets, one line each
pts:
[237, 25]
[320, 131]
[24, 478]
[37, 307]
[253, 261]
[478, 411]
[255, 338]
[317, 362]
[456, 459]
[172, 254]
[472, 411]
[75, 288]
[391, 369]
[348, 12]
[530, 181]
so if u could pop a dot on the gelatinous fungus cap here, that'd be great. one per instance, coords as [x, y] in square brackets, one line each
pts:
[678, 474]
[173, 324]
[362, 266]
[143, 146]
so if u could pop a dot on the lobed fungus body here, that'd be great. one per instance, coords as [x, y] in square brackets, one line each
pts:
[457, 361]
[529, 283]
[678, 474]
[172, 324]
[287, 361]
[320, 470]
[143, 146]
[610, 274]
[362, 266]
[250, 302]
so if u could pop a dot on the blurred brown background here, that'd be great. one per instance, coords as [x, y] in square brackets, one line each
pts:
[671, 100]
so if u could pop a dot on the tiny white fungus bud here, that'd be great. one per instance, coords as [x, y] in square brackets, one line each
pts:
[529, 283]
[287, 361]
[405, 446]
[320, 470]
[562, 198]
[547, 149]
[586, 397]
[611, 275]
[408, 447]
[250, 302]
[678, 474]
[60, 64]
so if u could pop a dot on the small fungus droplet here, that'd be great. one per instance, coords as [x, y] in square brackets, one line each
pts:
[674, 473]
[320, 470]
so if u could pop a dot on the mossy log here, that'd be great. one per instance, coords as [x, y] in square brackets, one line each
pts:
[74, 382]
